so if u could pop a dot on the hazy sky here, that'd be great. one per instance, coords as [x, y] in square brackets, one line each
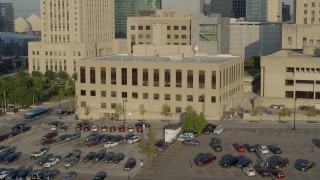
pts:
[27, 7]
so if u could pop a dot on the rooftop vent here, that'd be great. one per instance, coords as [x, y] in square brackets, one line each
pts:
[176, 57]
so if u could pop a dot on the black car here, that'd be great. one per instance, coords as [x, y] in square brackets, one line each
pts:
[280, 163]
[18, 127]
[64, 128]
[10, 158]
[12, 174]
[215, 144]
[42, 161]
[108, 157]
[22, 174]
[141, 124]
[117, 138]
[56, 123]
[91, 136]
[89, 156]
[24, 129]
[74, 136]
[117, 158]
[274, 149]
[207, 130]
[50, 174]
[48, 141]
[63, 137]
[305, 165]
[100, 177]
[3, 156]
[78, 128]
[262, 171]
[12, 133]
[243, 161]
[250, 148]
[228, 161]
[131, 163]
[161, 144]
[98, 156]
[128, 136]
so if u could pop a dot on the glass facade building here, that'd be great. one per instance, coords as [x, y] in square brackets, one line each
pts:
[129, 8]
[239, 8]
[6, 17]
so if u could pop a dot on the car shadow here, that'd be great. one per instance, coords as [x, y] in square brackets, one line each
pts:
[101, 173]
[316, 142]
[298, 162]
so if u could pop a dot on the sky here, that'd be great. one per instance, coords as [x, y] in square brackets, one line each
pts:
[25, 8]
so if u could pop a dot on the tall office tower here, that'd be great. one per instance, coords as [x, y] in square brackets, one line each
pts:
[128, 8]
[239, 8]
[6, 17]
[223, 7]
[307, 12]
[72, 30]
[285, 12]
[190, 6]
[264, 10]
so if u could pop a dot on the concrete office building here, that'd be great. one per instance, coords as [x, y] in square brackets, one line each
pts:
[6, 17]
[291, 74]
[254, 38]
[190, 6]
[307, 12]
[285, 12]
[162, 29]
[129, 8]
[208, 83]
[73, 30]
[295, 36]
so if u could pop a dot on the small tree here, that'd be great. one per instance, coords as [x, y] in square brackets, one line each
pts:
[165, 111]
[190, 109]
[87, 111]
[147, 148]
[36, 74]
[256, 111]
[74, 76]
[63, 75]
[142, 110]
[118, 109]
[312, 112]
[50, 75]
[283, 113]
[200, 123]
[189, 122]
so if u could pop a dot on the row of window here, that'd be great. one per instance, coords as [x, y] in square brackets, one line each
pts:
[312, 40]
[168, 27]
[56, 53]
[290, 82]
[303, 94]
[313, 4]
[302, 69]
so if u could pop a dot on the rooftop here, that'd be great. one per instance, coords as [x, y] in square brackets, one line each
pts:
[197, 59]
[7, 35]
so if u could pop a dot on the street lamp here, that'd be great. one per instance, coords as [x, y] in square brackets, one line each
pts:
[294, 114]
[124, 109]
[129, 116]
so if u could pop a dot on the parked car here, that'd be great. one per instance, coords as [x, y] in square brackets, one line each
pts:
[93, 143]
[104, 128]
[209, 128]
[13, 173]
[17, 127]
[274, 149]
[183, 138]
[92, 136]
[215, 144]
[63, 137]
[121, 128]
[117, 158]
[100, 177]
[50, 174]
[10, 158]
[131, 163]
[191, 142]
[204, 158]
[38, 153]
[70, 176]
[262, 171]
[113, 128]
[277, 173]
[74, 136]
[249, 171]
[280, 163]
[134, 139]
[51, 162]
[108, 157]
[99, 156]
[25, 128]
[89, 156]
[161, 144]
[239, 147]
[127, 137]
[191, 131]
[86, 128]
[305, 165]
[262, 149]
[218, 130]
[64, 128]
[228, 161]
[78, 128]
[118, 138]
[139, 129]
[42, 161]
[141, 124]
[48, 141]
[22, 174]
[95, 128]
[249, 148]
[110, 144]
[56, 123]
[130, 128]
[50, 135]
[37, 174]
[243, 162]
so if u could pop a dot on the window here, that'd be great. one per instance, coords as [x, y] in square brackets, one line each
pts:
[113, 105]
[156, 77]
[103, 105]
[167, 77]
[82, 74]
[213, 99]
[289, 40]
[304, 81]
[183, 27]
[134, 95]
[124, 95]
[124, 76]
[190, 79]
[167, 97]
[289, 94]
[289, 82]
[140, 36]
[113, 76]
[183, 36]
[133, 27]
[178, 97]
[145, 77]
[103, 94]
[113, 94]
[305, 11]
[83, 92]
[189, 98]
[304, 41]
[147, 27]
[317, 95]
[176, 27]
[178, 78]
[145, 95]
[178, 110]
[289, 69]
[83, 104]
[134, 76]
[168, 27]
[168, 36]
[92, 75]
[92, 93]
[202, 79]
[201, 98]
[208, 32]
[176, 36]
[103, 75]
[156, 96]
[213, 79]
[304, 94]
[140, 27]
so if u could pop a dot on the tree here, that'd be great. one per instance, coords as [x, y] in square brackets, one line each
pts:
[256, 111]
[74, 76]
[200, 123]
[283, 113]
[147, 148]
[36, 74]
[70, 90]
[190, 109]
[165, 111]
[142, 110]
[50, 75]
[63, 75]
[312, 112]
[249, 63]
[87, 111]
[189, 122]
[118, 109]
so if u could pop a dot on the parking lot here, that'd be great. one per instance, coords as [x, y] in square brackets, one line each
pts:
[177, 161]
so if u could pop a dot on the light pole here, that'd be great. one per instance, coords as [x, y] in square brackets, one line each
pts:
[129, 116]
[294, 114]
[124, 109]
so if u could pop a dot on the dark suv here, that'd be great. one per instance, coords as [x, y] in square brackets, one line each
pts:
[243, 162]
[228, 161]
[204, 158]
[280, 163]
[215, 144]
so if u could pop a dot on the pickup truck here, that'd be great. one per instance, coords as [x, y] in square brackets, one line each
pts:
[72, 158]
[38, 153]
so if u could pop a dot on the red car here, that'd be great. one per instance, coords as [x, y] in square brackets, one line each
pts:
[139, 129]
[122, 128]
[3, 137]
[50, 135]
[277, 173]
[239, 147]
[93, 143]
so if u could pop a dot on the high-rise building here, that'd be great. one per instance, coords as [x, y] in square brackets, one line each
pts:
[307, 12]
[285, 12]
[239, 8]
[128, 8]
[6, 17]
[190, 6]
[73, 30]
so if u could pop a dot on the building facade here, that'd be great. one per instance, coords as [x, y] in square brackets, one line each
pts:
[208, 83]
[6, 17]
[285, 12]
[190, 6]
[295, 36]
[291, 74]
[73, 30]
[307, 12]
[129, 8]
[249, 39]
